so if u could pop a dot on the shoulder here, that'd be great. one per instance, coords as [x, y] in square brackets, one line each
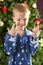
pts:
[28, 32]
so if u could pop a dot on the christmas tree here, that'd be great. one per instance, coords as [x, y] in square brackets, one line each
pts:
[6, 7]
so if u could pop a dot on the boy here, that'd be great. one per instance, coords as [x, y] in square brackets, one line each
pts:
[21, 43]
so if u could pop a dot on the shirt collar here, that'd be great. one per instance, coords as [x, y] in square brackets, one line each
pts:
[28, 32]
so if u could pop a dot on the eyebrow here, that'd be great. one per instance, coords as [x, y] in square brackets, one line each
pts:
[21, 18]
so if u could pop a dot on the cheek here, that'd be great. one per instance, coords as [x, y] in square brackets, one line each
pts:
[24, 23]
[18, 23]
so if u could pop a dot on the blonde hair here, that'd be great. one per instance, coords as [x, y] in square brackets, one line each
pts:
[21, 8]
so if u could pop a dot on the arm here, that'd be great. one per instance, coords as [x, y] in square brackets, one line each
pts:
[33, 45]
[9, 44]
[34, 39]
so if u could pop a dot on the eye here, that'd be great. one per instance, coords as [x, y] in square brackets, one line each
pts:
[25, 19]
[19, 19]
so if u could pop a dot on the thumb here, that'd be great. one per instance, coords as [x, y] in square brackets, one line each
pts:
[13, 26]
[8, 29]
[40, 30]
[34, 26]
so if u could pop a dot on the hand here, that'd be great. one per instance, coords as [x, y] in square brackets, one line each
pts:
[12, 31]
[36, 31]
[15, 30]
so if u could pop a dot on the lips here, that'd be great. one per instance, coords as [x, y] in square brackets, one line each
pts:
[21, 24]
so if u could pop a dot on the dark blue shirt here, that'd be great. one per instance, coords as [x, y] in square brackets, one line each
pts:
[20, 48]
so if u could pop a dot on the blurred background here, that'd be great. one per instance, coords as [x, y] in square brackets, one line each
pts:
[36, 15]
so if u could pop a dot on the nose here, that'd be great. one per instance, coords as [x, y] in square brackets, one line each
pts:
[22, 22]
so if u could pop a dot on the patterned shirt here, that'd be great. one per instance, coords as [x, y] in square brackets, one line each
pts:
[20, 48]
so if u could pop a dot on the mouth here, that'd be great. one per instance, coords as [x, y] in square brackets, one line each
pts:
[22, 27]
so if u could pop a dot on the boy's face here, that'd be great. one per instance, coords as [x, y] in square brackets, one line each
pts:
[20, 19]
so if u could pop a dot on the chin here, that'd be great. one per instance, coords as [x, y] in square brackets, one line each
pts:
[22, 28]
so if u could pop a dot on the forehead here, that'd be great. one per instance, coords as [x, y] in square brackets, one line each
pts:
[18, 14]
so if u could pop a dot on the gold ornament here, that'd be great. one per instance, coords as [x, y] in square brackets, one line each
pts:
[1, 23]
[34, 5]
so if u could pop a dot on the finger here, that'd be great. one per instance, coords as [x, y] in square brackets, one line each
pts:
[13, 26]
[34, 26]
[8, 29]
[38, 26]
[40, 30]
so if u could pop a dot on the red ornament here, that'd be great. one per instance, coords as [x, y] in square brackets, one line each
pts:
[4, 9]
[37, 21]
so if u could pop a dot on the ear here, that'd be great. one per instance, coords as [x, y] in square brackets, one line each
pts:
[13, 19]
